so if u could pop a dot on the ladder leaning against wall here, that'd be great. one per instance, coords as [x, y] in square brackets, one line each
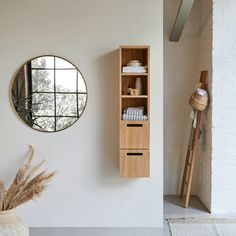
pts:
[192, 148]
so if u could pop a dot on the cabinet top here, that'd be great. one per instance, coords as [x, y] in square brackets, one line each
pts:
[134, 47]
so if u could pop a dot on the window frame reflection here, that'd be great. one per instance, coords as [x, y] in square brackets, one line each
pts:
[31, 120]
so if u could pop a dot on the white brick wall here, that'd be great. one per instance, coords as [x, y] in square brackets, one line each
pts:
[224, 107]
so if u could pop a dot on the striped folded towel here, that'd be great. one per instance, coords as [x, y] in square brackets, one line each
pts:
[137, 111]
[134, 117]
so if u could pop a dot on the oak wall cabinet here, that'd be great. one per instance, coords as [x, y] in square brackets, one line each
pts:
[134, 111]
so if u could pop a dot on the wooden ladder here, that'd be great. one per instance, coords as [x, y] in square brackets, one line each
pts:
[192, 148]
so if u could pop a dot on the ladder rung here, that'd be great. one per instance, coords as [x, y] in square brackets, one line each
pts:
[194, 137]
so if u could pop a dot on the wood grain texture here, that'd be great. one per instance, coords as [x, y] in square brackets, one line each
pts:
[192, 149]
[134, 163]
[134, 136]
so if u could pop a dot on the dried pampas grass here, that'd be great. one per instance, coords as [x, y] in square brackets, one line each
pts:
[27, 185]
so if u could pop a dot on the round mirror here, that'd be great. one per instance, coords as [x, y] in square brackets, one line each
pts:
[49, 93]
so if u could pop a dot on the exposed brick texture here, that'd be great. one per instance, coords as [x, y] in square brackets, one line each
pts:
[223, 196]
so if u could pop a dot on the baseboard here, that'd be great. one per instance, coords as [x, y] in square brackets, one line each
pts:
[64, 231]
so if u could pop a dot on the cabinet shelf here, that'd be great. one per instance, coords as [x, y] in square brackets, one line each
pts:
[134, 74]
[134, 135]
[130, 81]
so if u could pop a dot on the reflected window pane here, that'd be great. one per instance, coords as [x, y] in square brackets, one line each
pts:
[42, 80]
[43, 62]
[63, 122]
[66, 80]
[44, 123]
[81, 83]
[52, 97]
[81, 102]
[61, 63]
[43, 104]
[66, 105]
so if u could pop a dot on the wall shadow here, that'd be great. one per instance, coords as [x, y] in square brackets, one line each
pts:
[109, 164]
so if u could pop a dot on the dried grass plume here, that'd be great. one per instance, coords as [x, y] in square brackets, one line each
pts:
[28, 184]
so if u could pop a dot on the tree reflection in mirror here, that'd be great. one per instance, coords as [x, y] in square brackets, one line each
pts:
[49, 93]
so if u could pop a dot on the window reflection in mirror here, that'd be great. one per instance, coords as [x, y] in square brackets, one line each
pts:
[49, 93]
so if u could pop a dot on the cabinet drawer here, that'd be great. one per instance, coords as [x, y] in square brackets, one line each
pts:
[134, 163]
[134, 134]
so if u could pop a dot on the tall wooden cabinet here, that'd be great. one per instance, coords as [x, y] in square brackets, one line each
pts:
[134, 134]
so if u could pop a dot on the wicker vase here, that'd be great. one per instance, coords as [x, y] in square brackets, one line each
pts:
[198, 101]
[12, 225]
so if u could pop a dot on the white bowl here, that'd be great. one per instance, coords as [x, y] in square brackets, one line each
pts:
[134, 61]
[134, 64]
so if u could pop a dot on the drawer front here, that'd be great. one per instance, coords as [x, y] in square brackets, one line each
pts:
[134, 163]
[134, 134]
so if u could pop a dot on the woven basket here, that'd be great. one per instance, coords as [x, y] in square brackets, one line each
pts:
[198, 102]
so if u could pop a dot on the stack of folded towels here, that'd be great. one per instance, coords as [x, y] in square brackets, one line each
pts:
[134, 113]
[134, 66]
[132, 69]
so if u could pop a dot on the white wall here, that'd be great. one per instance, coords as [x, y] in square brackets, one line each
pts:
[216, 178]
[204, 154]
[181, 74]
[87, 190]
[224, 107]
[183, 62]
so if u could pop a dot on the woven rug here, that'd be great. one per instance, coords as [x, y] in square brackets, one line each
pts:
[202, 227]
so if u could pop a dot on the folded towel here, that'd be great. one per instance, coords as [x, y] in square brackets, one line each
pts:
[193, 116]
[134, 117]
[134, 69]
[202, 92]
[138, 111]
